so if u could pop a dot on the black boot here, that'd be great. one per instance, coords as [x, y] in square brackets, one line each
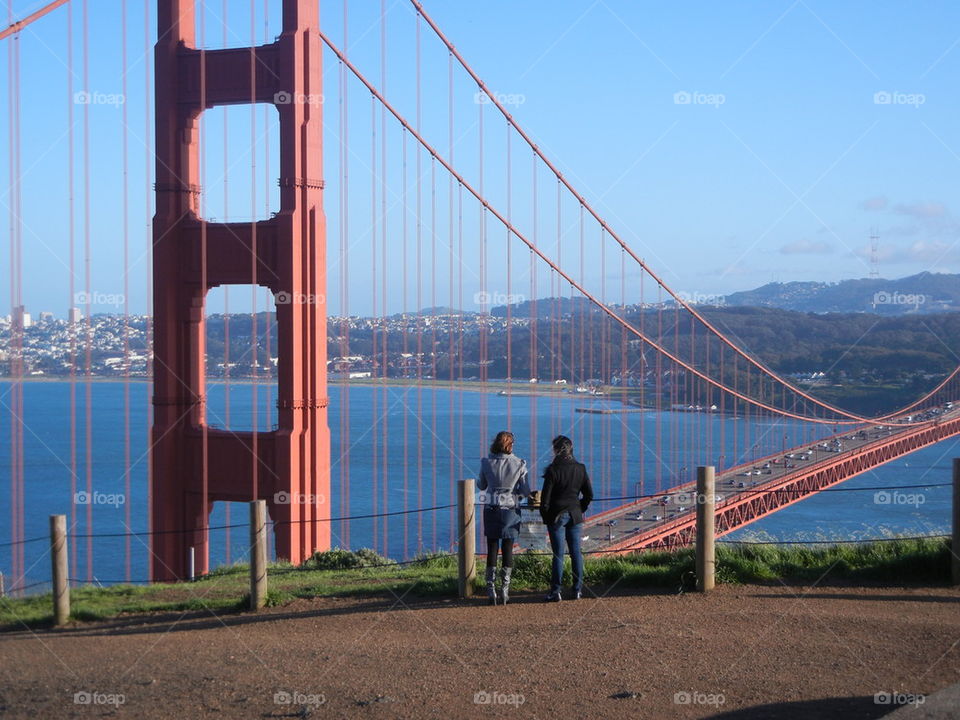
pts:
[505, 579]
[491, 585]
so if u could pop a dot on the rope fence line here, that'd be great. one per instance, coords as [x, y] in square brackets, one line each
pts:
[19, 588]
[369, 516]
[23, 542]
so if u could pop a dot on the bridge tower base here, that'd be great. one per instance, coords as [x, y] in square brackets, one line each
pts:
[192, 465]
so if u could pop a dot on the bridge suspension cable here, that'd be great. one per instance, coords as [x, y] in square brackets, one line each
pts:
[14, 27]
[851, 418]
[573, 283]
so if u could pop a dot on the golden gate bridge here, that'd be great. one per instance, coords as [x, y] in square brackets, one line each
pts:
[401, 184]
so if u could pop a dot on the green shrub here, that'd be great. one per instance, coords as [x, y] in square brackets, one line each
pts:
[276, 598]
[438, 560]
[340, 559]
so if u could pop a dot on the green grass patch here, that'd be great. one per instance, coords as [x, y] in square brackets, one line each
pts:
[366, 574]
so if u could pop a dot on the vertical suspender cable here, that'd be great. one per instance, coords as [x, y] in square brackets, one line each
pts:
[433, 349]
[460, 330]
[226, 291]
[675, 417]
[404, 356]
[344, 290]
[271, 317]
[377, 324]
[484, 304]
[604, 420]
[126, 295]
[88, 340]
[383, 271]
[643, 384]
[625, 418]
[451, 480]
[16, 312]
[556, 340]
[533, 318]
[204, 436]
[148, 255]
[345, 282]
[509, 297]
[736, 410]
[604, 379]
[12, 180]
[419, 316]
[18, 396]
[659, 390]
[723, 411]
[73, 297]
[587, 447]
[254, 329]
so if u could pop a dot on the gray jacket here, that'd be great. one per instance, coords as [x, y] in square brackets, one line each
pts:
[503, 481]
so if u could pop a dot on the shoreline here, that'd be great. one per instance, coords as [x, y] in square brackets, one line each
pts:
[520, 389]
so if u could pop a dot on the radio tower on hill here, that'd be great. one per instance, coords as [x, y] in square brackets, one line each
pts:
[875, 254]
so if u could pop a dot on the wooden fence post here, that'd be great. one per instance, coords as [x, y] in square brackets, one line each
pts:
[706, 548]
[467, 545]
[258, 554]
[58, 561]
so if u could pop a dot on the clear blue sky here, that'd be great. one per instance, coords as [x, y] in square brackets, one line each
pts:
[777, 168]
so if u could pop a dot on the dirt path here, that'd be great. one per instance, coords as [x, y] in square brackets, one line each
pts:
[821, 652]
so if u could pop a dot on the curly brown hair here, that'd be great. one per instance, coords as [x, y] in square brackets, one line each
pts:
[502, 444]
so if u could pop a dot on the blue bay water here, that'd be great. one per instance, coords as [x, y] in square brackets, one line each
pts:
[404, 449]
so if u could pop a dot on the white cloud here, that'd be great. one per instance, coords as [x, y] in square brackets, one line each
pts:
[873, 204]
[921, 210]
[806, 247]
[932, 253]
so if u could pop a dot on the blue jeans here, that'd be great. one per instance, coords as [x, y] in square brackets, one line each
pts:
[563, 528]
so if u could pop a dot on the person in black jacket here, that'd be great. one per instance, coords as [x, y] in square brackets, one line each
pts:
[565, 496]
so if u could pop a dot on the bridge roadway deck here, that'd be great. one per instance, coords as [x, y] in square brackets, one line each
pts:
[746, 493]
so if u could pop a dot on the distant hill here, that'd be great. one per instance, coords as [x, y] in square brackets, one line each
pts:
[546, 307]
[917, 294]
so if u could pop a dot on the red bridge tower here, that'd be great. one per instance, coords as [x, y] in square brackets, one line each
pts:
[193, 465]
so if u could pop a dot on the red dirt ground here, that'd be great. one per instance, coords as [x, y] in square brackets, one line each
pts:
[740, 652]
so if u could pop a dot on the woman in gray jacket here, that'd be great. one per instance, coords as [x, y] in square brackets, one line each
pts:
[503, 481]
